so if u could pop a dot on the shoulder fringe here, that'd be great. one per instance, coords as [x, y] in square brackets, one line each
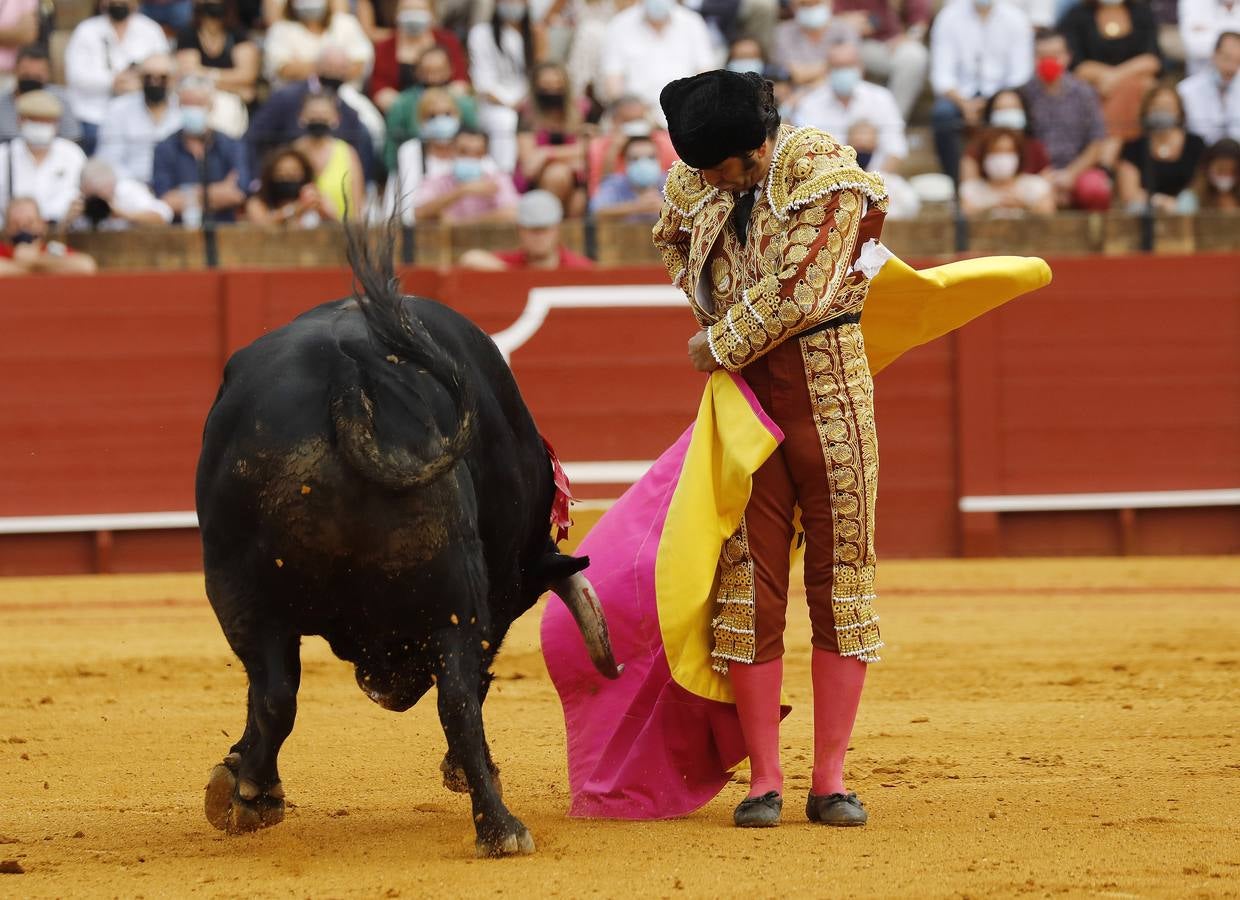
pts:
[798, 176]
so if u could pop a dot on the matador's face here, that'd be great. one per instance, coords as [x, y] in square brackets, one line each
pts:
[740, 173]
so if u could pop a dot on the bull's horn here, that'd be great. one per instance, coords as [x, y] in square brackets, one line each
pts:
[582, 601]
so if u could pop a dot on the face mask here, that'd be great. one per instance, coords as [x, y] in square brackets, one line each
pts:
[154, 92]
[194, 120]
[745, 66]
[550, 100]
[844, 81]
[284, 190]
[1161, 120]
[118, 12]
[317, 128]
[657, 10]
[330, 83]
[310, 10]
[96, 209]
[213, 10]
[1001, 166]
[864, 157]
[510, 11]
[1008, 118]
[644, 172]
[814, 17]
[440, 128]
[1224, 184]
[413, 21]
[38, 134]
[23, 237]
[1049, 69]
[466, 169]
[26, 85]
[635, 128]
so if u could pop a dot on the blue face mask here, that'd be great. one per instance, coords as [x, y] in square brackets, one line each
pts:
[744, 66]
[814, 17]
[844, 81]
[466, 169]
[644, 173]
[510, 10]
[194, 119]
[440, 128]
[658, 10]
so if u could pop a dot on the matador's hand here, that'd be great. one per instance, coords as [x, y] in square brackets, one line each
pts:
[700, 355]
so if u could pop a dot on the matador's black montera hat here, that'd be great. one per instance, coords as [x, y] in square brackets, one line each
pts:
[718, 114]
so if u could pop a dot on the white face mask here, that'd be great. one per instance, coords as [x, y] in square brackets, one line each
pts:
[1008, 118]
[1000, 166]
[38, 134]
[1223, 183]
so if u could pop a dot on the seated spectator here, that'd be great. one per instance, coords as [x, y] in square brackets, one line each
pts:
[1155, 168]
[109, 203]
[195, 155]
[1006, 111]
[19, 27]
[135, 123]
[626, 118]
[397, 57]
[215, 41]
[651, 43]
[538, 237]
[25, 250]
[287, 195]
[433, 153]
[1217, 186]
[977, 48]
[291, 49]
[902, 200]
[550, 146]
[1001, 188]
[433, 73]
[101, 61]
[846, 98]
[1114, 47]
[1212, 97]
[892, 44]
[1202, 23]
[501, 59]
[1065, 115]
[636, 194]
[278, 121]
[474, 191]
[32, 72]
[37, 163]
[745, 55]
[337, 168]
[802, 42]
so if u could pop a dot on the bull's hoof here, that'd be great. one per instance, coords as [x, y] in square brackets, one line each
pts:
[240, 808]
[454, 777]
[516, 841]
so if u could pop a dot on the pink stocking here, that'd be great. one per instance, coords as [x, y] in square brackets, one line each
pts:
[837, 693]
[757, 703]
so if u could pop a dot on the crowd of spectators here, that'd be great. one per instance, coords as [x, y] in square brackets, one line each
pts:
[295, 112]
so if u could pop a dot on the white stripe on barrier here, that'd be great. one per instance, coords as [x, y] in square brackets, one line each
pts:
[1117, 500]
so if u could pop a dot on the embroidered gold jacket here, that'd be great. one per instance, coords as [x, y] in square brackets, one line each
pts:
[794, 270]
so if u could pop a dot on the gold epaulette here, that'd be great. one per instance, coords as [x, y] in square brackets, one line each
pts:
[809, 164]
[686, 191]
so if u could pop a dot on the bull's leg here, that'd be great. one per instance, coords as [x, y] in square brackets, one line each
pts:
[499, 832]
[453, 772]
[244, 792]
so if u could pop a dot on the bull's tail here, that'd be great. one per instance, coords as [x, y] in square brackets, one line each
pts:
[403, 340]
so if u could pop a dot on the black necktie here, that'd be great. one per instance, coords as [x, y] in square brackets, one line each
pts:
[741, 212]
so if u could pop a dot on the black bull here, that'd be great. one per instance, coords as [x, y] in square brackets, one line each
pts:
[370, 473]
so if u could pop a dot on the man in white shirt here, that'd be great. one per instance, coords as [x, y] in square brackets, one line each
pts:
[1212, 97]
[101, 61]
[652, 43]
[37, 164]
[977, 48]
[108, 203]
[846, 99]
[1201, 24]
[134, 123]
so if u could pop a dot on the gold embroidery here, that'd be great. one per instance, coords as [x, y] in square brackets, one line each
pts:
[842, 392]
[809, 164]
[733, 626]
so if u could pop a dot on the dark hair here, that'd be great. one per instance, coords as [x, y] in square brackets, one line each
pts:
[311, 96]
[1226, 35]
[638, 139]
[991, 136]
[990, 107]
[470, 131]
[231, 21]
[1152, 94]
[1225, 148]
[1046, 33]
[266, 191]
[527, 35]
[33, 51]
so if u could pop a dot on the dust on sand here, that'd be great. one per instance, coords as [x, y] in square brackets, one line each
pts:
[1036, 728]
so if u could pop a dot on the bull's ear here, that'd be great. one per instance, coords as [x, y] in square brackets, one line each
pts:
[553, 567]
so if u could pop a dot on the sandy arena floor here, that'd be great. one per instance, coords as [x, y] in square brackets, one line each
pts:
[1036, 728]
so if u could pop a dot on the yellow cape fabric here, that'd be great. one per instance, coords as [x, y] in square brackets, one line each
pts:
[904, 309]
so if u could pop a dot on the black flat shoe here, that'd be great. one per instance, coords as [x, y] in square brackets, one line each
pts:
[759, 812]
[843, 810]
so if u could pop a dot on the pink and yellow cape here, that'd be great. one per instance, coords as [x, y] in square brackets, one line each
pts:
[660, 740]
